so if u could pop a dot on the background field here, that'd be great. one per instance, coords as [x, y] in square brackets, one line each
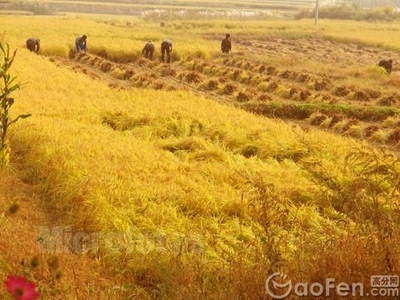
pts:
[142, 180]
[164, 9]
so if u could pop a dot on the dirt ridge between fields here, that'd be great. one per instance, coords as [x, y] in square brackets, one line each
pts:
[268, 76]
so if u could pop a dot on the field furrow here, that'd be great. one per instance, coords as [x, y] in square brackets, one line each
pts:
[291, 79]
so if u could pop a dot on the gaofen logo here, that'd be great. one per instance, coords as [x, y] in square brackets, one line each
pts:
[277, 286]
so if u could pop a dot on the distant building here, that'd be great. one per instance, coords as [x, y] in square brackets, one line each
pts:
[360, 3]
[376, 3]
[328, 2]
[335, 2]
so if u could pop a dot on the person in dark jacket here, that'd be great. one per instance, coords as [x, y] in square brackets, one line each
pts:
[148, 50]
[33, 44]
[226, 44]
[166, 48]
[386, 64]
[81, 44]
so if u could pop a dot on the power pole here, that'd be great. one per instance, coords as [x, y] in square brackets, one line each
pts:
[316, 12]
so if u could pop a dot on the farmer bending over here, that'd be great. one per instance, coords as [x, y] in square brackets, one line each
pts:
[166, 48]
[81, 44]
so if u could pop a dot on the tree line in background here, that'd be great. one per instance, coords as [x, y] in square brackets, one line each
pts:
[360, 3]
[353, 12]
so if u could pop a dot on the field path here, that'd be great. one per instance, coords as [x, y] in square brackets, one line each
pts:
[24, 217]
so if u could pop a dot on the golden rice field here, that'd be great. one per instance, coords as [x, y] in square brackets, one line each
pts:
[200, 178]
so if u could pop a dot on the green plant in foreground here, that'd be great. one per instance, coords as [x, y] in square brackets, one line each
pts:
[7, 86]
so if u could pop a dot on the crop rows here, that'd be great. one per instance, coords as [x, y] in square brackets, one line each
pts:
[311, 98]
